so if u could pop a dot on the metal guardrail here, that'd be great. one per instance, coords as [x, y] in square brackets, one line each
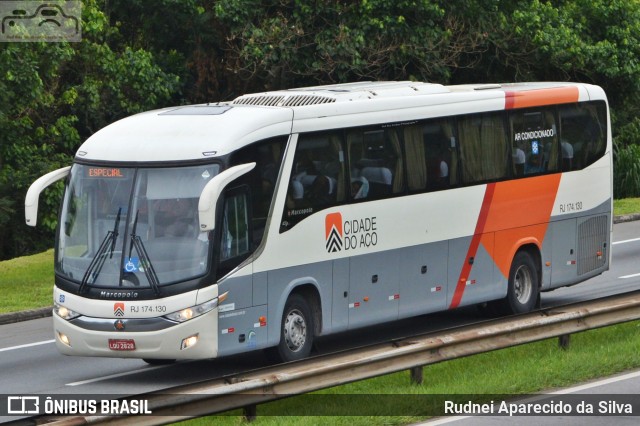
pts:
[246, 390]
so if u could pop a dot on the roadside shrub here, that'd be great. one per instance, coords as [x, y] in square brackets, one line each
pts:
[626, 178]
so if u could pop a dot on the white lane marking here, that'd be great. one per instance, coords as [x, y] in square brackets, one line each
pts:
[28, 345]
[113, 376]
[625, 241]
[629, 276]
[575, 389]
[602, 382]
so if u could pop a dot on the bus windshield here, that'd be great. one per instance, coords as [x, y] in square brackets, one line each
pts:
[132, 227]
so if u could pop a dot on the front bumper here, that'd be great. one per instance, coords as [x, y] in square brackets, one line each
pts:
[165, 343]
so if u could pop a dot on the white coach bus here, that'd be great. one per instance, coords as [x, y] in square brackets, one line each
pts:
[208, 230]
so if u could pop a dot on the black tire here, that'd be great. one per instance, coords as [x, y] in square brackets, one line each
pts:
[154, 361]
[297, 330]
[524, 285]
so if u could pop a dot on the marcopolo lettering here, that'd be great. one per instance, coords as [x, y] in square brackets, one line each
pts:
[120, 294]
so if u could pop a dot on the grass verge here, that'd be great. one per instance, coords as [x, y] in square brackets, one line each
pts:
[626, 206]
[523, 369]
[26, 282]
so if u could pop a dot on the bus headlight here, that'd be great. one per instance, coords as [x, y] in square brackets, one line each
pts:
[65, 313]
[189, 342]
[195, 311]
[64, 339]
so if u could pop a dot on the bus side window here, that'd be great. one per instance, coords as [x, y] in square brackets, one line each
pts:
[414, 147]
[317, 179]
[534, 141]
[267, 155]
[583, 134]
[438, 160]
[483, 147]
[375, 158]
[430, 155]
[235, 230]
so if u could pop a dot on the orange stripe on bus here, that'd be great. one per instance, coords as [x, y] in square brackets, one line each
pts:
[513, 213]
[473, 247]
[539, 97]
[520, 213]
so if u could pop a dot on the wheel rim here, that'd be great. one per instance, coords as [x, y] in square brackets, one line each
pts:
[295, 330]
[523, 285]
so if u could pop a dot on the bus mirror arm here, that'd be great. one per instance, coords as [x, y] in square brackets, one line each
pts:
[31, 199]
[211, 192]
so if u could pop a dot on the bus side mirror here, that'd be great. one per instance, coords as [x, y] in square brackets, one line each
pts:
[211, 192]
[31, 200]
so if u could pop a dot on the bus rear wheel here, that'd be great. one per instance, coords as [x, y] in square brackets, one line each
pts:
[523, 290]
[296, 330]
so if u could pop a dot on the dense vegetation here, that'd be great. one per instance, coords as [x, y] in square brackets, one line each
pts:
[141, 54]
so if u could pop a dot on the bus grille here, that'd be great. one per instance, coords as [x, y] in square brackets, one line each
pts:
[259, 100]
[592, 239]
[283, 101]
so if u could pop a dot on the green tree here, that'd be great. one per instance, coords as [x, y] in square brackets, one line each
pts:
[53, 96]
[626, 182]
[289, 43]
[183, 38]
[138, 55]
[582, 40]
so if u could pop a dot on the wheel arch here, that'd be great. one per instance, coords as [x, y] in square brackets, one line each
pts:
[301, 299]
[530, 245]
[533, 249]
[308, 288]
[311, 293]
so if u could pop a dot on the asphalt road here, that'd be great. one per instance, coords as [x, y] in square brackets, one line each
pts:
[30, 364]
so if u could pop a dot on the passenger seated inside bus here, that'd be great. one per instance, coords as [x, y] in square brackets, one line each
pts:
[359, 188]
[567, 155]
[374, 157]
[519, 158]
[321, 192]
[534, 163]
[296, 192]
[438, 158]
[378, 175]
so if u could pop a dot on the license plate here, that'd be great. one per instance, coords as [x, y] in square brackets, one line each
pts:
[122, 344]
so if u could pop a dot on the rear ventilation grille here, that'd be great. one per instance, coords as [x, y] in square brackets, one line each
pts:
[592, 240]
[283, 100]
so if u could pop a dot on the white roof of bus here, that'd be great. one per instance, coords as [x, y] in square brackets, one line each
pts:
[199, 131]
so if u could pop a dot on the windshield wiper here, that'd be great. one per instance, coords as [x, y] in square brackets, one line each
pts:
[108, 243]
[145, 260]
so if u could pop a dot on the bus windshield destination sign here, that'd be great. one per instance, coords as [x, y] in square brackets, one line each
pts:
[105, 172]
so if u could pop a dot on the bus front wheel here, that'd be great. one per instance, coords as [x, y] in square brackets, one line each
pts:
[523, 291]
[296, 329]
